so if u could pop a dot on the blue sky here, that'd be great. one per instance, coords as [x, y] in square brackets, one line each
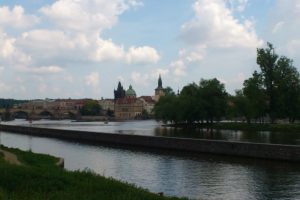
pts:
[82, 48]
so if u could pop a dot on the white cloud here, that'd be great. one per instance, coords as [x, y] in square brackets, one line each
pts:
[43, 88]
[80, 47]
[82, 15]
[10, 55]
[79, 24]
[140, 79]
[292, 48]
[140, 55]
[6, 45]
[278, 26]
[69, 78]
[194, 54]
[93, 79]
[163, 72]
[4, 87]
[106, 50]
[237, 5]
[217, 41]
[16, 17]
[53, 45]
[215, 26]
[41, 70]
[179, 68]
[283, 28]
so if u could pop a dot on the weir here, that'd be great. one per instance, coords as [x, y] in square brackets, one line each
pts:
[245, 149]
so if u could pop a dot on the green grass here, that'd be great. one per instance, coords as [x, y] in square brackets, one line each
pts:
[39, 178]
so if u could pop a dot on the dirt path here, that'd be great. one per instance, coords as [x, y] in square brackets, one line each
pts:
[10, 157]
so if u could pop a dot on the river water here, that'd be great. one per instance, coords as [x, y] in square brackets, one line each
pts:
[153, 128]
[200, 176]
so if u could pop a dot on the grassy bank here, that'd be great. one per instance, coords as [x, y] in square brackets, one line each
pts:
[39, 178]
[244, 126]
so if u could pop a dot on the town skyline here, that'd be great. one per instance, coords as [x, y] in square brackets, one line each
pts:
[98, 43]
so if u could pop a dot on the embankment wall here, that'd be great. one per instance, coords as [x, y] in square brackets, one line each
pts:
[246, 149]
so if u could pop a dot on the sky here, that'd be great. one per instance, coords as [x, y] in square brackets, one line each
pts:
[82, 48]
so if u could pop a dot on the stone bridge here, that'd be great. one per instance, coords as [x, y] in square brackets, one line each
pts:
[13, 113]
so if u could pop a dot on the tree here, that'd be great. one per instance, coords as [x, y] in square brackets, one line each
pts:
[242, 106]
[169, 91]
[206, 101]
[190, 104]
[287, 85]
[91, 107]
[166, 109]
[214, 99]
[267, 60]
[254, 92]
[281, 82]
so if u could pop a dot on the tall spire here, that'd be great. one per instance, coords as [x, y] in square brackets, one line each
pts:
[159, 82]
[120, 92]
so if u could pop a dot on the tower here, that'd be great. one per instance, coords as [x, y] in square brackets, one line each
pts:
[120, 92]
[159, 91]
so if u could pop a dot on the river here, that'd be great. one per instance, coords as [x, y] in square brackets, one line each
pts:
[201, 176]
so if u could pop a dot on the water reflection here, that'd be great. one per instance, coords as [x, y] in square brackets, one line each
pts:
[197, 176]
[153, 128]
[232, 135]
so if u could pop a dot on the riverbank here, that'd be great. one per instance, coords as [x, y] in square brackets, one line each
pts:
[38, 177]
[244, 149]
[242, 126]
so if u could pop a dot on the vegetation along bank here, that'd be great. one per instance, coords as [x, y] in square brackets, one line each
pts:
[271, 95]
[37, 176]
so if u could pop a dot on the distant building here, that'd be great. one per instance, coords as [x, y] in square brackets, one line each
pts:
[148, 103]
[128, 107]
[107, 104]
[159, 91]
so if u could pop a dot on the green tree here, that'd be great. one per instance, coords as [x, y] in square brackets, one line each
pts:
[254, 92]
[91, 107]
[167, 109]
[287, 86]
[214, 99]
[241, 106]
[281, 82]
[169, 91]
[190, 104]
[267, 61]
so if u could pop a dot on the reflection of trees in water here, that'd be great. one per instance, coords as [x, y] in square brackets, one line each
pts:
[203, 133]
[230, 135]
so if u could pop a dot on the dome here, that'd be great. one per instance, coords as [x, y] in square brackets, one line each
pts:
[130, 92]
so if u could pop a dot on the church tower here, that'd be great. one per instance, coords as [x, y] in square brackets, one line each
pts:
[120, 92]
[159, 91]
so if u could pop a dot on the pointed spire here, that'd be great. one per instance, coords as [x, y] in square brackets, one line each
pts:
[159, 82]
[119, 85]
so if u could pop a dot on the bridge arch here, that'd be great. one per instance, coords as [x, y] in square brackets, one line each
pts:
[20, 114]
[73, 114]
[45, 114]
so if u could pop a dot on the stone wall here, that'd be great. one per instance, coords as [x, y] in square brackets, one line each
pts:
[255, 150]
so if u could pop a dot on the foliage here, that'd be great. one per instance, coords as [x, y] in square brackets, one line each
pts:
[169, 91]
[271, 93]
[9, 103]
[41, 179]
[203, 102]
[90, 107]
[280, 81]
